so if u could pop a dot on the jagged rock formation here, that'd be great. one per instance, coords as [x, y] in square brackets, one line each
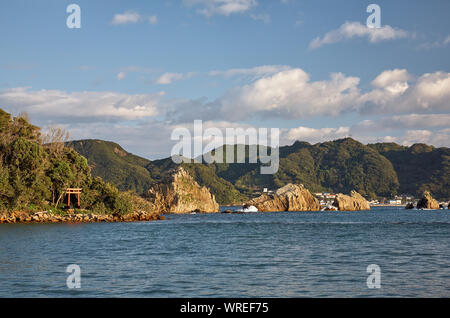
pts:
[354, 202]
[180, 193]
[291, 197]
[427, 202]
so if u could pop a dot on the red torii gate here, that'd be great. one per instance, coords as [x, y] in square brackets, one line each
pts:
[70, 191]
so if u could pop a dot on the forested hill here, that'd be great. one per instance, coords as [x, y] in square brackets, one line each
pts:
[36, 170]
[419, 167]
[113, 164]
[377, 170]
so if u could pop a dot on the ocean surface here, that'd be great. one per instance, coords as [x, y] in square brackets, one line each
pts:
[301, 254]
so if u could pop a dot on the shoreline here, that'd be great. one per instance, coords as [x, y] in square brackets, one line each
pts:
[389, 205]
[45, 217]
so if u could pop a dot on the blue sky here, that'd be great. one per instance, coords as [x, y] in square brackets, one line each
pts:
[137, 69]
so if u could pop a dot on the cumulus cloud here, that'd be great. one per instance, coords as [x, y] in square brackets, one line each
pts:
[394, 81]
[222, 7]
[350, 30]
[430, 92]
[291, 94]
[79, 106]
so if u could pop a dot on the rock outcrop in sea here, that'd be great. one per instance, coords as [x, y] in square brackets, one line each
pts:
[353, 202]
[180, 193]
[292, 197]
[427, 202]
[409, 206]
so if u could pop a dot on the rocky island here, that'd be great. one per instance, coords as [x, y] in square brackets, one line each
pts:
[291, 197]
[178, 192]
[353, 202]
[427, 202]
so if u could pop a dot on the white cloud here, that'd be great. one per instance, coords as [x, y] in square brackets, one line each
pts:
[279, 92]
[428, 93]
[222, 7]
[126, 18]
[168, 78]
[436, 44]
[350, 30]
[314, 135]
[291, 94]
[410, 121]
[439, 138]
[130, 17]
[121, 76]
[253, 73]
[59, 105]
[394, 81]
[257, 71]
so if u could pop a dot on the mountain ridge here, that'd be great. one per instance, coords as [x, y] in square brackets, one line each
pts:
[374, 170]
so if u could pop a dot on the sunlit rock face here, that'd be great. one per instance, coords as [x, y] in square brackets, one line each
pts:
[292, 197]
[427, 202]
[352, 202]
[180, 193]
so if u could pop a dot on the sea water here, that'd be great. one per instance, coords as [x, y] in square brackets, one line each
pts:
[289, 254]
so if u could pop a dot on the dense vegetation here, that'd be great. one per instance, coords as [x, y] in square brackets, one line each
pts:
[115, 165]
[419, 167]
[35, 174]
[337, 166]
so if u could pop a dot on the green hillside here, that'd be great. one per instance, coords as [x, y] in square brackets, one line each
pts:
[113, 164]
[419, 167]
[337, 166]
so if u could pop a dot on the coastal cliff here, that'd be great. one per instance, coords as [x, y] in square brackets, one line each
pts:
[354, 202]
[180, 193]
[291, 197]
[427, 202]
